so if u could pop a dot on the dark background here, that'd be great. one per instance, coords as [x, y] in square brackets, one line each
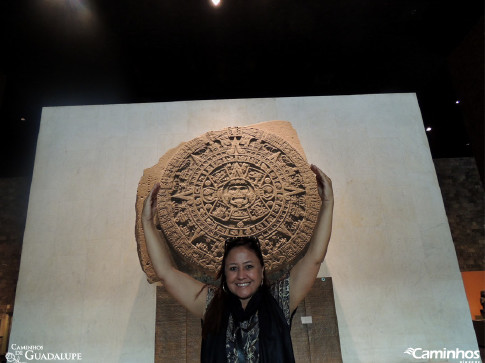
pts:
[74, 52]
[79, 52]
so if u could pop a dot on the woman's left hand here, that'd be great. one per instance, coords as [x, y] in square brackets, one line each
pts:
[304, 273]
[324, 184]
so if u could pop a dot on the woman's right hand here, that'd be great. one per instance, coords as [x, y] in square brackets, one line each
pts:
[189, 292]
[150, 204]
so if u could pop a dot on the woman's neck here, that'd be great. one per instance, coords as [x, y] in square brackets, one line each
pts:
[244, 302]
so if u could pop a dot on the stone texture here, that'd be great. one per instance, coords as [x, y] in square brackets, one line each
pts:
[462, 193]
[240, 181]
[14, 196]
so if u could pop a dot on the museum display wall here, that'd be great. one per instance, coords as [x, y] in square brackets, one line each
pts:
[395, 274]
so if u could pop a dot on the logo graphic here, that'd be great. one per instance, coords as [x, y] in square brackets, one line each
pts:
[463, 356]
[11, 358]
[33, 353]
[410, 351]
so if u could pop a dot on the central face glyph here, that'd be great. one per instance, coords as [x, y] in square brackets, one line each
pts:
[234, 195]
[239, 193]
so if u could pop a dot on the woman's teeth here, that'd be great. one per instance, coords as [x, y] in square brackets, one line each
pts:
[243, 285]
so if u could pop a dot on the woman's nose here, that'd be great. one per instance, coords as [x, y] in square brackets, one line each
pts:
[240, 274]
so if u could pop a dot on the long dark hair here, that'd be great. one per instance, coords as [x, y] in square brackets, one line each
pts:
[213, 316]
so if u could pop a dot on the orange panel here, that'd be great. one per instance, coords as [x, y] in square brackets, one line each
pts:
[474, 282]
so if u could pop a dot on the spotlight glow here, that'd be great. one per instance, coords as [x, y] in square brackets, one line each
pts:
[457, 101]
[216, 2]
[428, 128]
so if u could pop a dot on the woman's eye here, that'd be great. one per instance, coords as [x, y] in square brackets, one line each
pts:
[249, 267]
[232, 268]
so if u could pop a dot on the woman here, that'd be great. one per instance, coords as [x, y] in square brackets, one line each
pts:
[244, 320]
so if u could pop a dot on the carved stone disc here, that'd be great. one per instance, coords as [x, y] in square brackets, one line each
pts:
[237, 182]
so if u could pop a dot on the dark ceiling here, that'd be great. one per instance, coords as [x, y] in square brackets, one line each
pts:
[75, 52]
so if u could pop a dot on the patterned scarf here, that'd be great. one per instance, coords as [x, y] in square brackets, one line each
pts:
[274, 333]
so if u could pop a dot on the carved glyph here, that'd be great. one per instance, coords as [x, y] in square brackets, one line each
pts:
[240, 181]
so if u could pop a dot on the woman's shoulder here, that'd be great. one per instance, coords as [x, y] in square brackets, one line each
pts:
[281, 287]
[280, 290]
[211, 291]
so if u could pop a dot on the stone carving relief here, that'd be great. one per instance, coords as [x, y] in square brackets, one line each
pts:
[240, 181]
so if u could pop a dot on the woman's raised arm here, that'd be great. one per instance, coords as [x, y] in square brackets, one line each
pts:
[188, 291]
[304, 273]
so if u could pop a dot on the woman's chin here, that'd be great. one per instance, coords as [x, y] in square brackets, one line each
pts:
[243, 295]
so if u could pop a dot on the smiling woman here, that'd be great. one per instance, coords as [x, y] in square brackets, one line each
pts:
[244, 268]
[245, 319]
[254, 316]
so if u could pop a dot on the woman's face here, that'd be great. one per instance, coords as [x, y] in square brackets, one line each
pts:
[244, 273]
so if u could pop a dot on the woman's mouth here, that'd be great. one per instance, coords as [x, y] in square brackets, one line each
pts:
[243, 284]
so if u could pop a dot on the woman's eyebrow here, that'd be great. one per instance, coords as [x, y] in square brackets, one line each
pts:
[235, 263]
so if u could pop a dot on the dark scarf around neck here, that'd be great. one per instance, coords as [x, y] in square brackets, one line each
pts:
[274, 333]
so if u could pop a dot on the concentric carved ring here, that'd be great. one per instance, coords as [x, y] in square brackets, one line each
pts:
[237, 182]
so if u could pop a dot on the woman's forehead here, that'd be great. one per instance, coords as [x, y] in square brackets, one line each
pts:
[241, 254]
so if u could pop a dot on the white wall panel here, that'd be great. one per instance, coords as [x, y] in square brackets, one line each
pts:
[396, 279]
